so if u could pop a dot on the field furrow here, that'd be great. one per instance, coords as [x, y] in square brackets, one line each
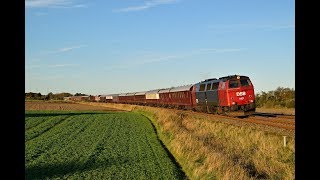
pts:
[55, 139]
[44, 126]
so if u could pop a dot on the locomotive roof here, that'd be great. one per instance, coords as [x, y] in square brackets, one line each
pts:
[165, 90]
[130, 94]
[232, 77]
[210, 80]
[141, 93]
[103, 95]
[153, 91]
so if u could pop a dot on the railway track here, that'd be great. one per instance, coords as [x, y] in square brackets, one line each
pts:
[288, 116]
[284, 119]
[281, 121]
[275, 120]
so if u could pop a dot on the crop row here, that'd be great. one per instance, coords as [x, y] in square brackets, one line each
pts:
[95, 145]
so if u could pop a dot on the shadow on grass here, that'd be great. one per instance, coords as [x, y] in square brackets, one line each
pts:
[181, 173]
[50, 171]
[61, 169]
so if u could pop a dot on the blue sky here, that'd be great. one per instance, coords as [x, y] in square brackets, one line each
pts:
[118, 46]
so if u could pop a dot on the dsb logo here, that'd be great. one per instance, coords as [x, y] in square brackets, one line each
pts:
[243, 93]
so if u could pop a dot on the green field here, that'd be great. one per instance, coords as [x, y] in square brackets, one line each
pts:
[95, 145]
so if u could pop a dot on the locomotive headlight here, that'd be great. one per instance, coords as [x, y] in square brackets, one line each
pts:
[233, 103]
[251, 100]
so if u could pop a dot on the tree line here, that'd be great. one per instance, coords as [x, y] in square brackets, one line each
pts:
[50, 96]
[281, 97]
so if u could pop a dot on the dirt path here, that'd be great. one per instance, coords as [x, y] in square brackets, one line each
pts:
[47, 105]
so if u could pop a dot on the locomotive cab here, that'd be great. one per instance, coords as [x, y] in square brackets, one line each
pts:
[237, 95]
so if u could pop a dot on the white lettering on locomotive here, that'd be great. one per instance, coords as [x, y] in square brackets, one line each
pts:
[243, 93]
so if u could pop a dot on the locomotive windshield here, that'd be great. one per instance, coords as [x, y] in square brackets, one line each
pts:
[245, 82]
[236, 83]
[233, 84]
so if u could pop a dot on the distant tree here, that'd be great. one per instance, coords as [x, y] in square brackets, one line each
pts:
[34, 96]
[29, 95]
[80, 94]
[38, 96]
[60, 96]
[49, 96]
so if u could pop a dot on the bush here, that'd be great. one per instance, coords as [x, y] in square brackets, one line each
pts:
[281, 97]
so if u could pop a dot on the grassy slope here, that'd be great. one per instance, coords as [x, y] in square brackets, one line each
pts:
[289, 111]
[209, 149]
[114, 145]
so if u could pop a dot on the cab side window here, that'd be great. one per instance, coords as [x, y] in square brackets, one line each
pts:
[208, 87]
[202, 87]
[215, 86]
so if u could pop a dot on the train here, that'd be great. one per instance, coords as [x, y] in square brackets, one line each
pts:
[231, 95]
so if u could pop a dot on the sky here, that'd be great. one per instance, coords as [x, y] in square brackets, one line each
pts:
[100, 47]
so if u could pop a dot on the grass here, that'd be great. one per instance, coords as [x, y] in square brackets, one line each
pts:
[95, 145]
[208, 148]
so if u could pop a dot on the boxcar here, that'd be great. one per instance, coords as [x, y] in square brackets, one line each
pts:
[115, 98]
[164, 98]
[123, 98]
[109, 98]
[102, 98]
[182, 97]
[140, 98]
[152, 97]
[130, 98]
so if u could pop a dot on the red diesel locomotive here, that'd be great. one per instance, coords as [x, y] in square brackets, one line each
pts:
[229, 95]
